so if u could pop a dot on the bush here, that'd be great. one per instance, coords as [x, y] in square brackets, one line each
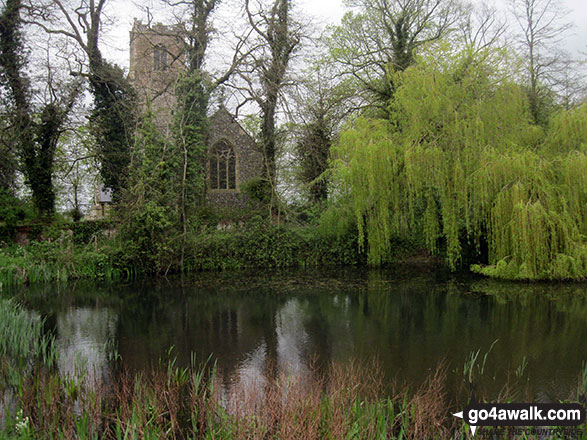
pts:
[83, 232]
[150, 238]
[258, 189]
[260, 243]
[12, 212]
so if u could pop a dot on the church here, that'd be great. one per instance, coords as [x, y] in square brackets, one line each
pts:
[156, 60]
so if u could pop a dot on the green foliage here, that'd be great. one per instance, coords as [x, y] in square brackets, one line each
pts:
[191, 131]
[112, 122]
[457, 167]
[336, 219]
[147, 243]
[258, 189]
[12, 212]
[259, 243]
[542, 102]
[567, 132]
[148, 236]
[84, 232]
[148, 211]
[8, 165]
[313, 150]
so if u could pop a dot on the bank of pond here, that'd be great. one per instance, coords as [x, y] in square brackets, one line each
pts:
[305, 353]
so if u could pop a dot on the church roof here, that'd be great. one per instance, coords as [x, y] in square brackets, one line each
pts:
[223, 113]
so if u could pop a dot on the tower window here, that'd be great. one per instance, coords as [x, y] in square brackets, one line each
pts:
[160, 58]
[222, 166]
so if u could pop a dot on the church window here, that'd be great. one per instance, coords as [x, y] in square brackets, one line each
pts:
[160, 57]
[222, 166]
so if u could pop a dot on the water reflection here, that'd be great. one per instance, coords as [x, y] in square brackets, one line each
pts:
[292, 338]
[249, 380]
[85, 337]
[261, 327]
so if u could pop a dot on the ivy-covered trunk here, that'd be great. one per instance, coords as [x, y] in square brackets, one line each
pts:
[35, 138]
[113, 121]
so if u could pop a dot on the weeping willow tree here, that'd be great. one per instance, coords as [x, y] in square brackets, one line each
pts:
[461, 166]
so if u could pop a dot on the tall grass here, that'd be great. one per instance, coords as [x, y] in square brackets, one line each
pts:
[194, 403]
[190, 403]
[40, 262]
[22, 338]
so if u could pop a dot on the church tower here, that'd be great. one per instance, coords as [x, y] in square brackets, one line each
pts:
[156, 59]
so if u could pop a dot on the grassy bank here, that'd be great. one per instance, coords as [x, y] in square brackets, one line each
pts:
[57, 261]
[60, 252]
[69, 255]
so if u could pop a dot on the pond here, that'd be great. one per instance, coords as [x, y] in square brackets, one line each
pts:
[406, 320]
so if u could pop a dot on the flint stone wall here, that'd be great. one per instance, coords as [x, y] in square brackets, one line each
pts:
[249, 160]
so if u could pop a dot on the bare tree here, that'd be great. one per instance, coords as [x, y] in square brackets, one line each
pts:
[263, 73]
[319, 105]
[113, 118]
[75, 171]
[542, 24]
[382, 36]
[484, 28]
[571, 83]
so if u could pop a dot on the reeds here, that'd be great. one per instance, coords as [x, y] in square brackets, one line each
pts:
[194, 403]
[343, 401]
[22, 340]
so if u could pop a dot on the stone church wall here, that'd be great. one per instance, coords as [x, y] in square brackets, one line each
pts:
[249, 159]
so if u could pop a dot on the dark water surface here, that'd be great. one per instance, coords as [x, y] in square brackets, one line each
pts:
[409, 320]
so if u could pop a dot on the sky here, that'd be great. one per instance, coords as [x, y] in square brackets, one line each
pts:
[320, 12]
[116, 39]
[578, 15]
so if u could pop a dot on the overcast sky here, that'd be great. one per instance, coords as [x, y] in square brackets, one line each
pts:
[322, 12]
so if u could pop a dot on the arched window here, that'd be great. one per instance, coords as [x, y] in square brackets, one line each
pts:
[160, 57]
[222, 166]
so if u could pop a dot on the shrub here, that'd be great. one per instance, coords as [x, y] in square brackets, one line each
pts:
[12, 212]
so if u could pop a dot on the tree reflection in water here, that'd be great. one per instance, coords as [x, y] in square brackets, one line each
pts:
[84, 338]
[259, 327]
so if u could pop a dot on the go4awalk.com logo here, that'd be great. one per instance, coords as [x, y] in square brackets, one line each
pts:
[521, 414]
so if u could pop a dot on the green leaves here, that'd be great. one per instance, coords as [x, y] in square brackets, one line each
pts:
[458, 167]
[112, 121]
[148, 211]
